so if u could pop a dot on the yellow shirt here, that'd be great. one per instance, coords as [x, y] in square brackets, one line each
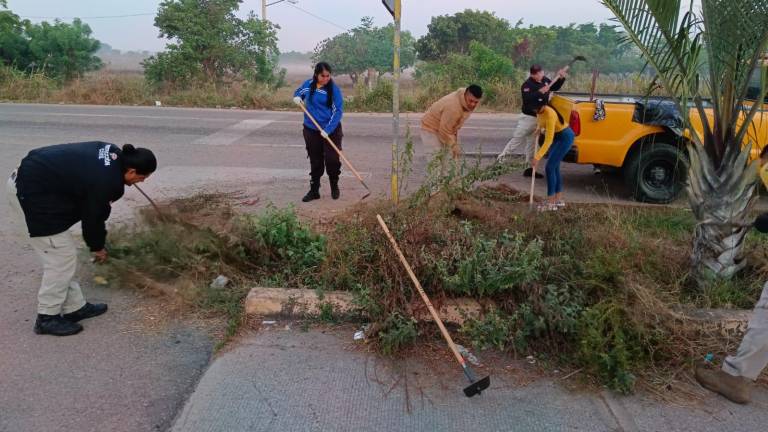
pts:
[548, 121]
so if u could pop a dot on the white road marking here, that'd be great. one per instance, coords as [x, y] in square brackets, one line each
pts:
[231, 134]
[274, 145]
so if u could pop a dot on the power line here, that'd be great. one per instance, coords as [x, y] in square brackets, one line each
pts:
[90, 17]
[319, 17]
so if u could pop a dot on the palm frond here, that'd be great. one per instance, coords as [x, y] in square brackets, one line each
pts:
[671, 44]
[736, 36]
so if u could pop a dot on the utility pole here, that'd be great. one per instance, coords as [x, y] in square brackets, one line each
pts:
[395, 8]
[263, 10]
[264, 5]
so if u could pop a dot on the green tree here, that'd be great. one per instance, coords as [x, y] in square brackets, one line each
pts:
[210, 43]
[453, 34]
[14, 46]
[63, 51]
[365, 48]
[553, 46]
[713, 53]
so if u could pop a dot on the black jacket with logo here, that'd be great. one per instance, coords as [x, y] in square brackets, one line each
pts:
[531, 95]
[63, 184]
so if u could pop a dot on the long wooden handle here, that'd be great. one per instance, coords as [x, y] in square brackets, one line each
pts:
[533, 180]
[333, 145]
[424, 297]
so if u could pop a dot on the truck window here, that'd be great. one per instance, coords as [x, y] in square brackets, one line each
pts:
[754, 84]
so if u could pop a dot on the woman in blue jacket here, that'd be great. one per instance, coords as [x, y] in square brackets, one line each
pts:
[324, 101]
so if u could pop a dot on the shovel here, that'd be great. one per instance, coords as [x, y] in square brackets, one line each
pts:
[341, 155]
[476, 386]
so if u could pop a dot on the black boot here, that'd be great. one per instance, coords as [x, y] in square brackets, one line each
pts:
[90, 310]
[56, 325]
[314, 191]
[335, 192]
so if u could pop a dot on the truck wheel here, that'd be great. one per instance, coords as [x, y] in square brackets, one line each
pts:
[656, 172]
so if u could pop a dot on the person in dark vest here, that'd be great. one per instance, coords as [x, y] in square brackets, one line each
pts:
[54, 188]
[324, 101]
[534, 91]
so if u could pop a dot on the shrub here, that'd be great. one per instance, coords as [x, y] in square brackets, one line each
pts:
[609, 346]
[277, 239]
[492, 331]
[496, 74]
[488, 267]
[398, 332]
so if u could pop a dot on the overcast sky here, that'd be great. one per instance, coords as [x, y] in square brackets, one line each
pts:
[299, 29]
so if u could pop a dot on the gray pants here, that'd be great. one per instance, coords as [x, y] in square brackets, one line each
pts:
[752, 356]
[523, 138]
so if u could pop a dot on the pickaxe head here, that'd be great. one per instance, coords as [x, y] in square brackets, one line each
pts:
[577, 58]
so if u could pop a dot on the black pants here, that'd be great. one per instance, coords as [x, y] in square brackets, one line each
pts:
[322, 157]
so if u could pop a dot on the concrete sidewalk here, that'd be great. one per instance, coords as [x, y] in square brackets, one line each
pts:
[289, 380]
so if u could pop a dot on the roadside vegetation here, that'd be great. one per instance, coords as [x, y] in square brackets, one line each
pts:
[602, 288]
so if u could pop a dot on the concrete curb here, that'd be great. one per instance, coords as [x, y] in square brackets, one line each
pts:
[299, 303]
[728, 322]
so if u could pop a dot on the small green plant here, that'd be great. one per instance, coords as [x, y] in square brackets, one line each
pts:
[405, 160]
[489, 266]
[609, 346]
[736, 293]
[326, 313]
[491, 331]
[398, 332]
[282, 241]
[379, 99]
[552, 311]
[227, 302]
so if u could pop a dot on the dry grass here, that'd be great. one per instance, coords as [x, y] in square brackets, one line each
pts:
[130, 88]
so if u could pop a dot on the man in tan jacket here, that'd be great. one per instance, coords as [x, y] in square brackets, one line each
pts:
[442, 121]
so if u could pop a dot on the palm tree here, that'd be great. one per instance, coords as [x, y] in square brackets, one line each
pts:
[710, 52]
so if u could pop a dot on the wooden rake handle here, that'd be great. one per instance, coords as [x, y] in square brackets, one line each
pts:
[423, 295]
[333, 145]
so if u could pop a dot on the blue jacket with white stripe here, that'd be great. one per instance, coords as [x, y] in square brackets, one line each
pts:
[317, 105]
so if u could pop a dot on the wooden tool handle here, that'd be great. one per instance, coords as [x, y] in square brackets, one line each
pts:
[424, 297]
[333, 145]
[533, 180]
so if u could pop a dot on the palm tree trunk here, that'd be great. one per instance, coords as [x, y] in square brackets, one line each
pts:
[721, 200]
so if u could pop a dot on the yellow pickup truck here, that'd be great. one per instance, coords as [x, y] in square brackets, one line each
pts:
[652, 158]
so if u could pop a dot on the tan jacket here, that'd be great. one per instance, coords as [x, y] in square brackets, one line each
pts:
[445, 117]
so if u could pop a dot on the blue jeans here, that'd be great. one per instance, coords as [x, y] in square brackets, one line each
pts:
[562, 143]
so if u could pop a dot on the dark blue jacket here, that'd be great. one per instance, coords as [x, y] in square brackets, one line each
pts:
[63, 184]
[317, 105]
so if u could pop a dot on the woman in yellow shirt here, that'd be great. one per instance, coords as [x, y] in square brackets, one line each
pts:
[558, 139]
